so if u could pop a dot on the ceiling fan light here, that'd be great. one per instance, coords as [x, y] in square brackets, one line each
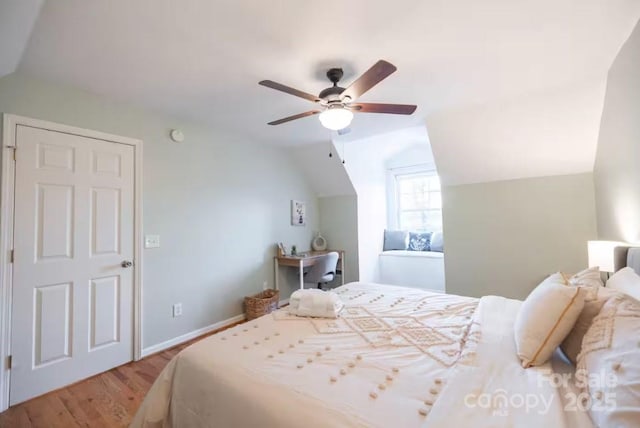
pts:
[336, 118]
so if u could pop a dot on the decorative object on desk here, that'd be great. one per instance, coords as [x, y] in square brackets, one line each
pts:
[294, 250]
[261, 304]
[319, 243]
[282, 248]
[298, 213]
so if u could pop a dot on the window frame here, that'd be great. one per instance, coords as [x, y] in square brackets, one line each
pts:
[393, 191]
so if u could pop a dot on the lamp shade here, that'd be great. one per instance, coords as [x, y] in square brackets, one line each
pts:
[601, 254]
[336, 118]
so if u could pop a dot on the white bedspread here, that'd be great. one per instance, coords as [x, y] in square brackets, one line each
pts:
[397, 357]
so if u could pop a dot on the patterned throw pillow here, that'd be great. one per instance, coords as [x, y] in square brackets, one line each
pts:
[611, 357]
[420, 241]
[596, 295]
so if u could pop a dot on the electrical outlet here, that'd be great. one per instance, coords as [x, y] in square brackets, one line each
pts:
[177, 310]
[265, 285]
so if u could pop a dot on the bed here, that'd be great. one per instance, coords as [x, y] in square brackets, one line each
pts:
[397, 357]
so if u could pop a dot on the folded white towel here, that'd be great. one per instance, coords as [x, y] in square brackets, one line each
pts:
[315, 303]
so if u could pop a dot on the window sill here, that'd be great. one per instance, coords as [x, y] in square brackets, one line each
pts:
[406, 253]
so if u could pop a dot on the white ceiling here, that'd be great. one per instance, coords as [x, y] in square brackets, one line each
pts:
[553, 132]
[202, 59]
[16, 22]
[325, 173]
[329, 177]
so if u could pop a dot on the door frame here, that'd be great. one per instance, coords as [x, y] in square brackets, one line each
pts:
[7, 202]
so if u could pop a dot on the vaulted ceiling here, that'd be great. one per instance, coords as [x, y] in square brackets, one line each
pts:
[202, 59]
[16, 22]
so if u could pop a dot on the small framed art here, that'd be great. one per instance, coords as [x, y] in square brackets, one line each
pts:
[298, 213]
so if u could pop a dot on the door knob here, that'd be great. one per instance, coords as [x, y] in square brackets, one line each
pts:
[126, 264]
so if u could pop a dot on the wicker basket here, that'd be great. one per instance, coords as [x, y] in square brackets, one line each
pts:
[261, 304]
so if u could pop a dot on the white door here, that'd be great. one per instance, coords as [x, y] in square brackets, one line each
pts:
[72, 310]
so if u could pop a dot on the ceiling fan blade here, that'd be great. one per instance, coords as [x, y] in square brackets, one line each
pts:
[294, 117]
[383, 108]
[380, 71]
[280, 87]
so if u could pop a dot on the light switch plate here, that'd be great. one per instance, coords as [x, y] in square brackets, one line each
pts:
[151, 241]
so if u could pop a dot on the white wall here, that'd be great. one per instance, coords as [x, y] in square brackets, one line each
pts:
[365, 163]
[339, 226]
[337, 202]
[219, 205]
[354, 194]
[504, 237]
[617, 172]
[518, 193]
[418, 154]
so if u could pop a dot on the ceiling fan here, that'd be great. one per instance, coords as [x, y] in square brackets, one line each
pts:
[337, 104]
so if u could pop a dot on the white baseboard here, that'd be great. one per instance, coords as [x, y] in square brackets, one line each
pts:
[282, 303]
[191, 335]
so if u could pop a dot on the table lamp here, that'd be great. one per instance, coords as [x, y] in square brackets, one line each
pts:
[602, 254]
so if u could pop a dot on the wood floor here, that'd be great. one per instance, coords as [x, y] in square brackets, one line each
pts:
[109, 399]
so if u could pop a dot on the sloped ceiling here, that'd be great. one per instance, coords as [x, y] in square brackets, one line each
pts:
[389, 149]
[554, 132]
[202, 59]
[330, 177]
[326, 174]
[16, 22]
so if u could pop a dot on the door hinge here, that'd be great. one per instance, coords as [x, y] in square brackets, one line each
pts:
[9, 361]
[11, 256]
[13, 149]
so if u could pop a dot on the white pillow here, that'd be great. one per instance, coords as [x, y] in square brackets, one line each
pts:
[627, 281]
[611, 358]
[437, 242]
[545, 319]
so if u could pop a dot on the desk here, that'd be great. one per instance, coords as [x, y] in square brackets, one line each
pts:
[301, 262]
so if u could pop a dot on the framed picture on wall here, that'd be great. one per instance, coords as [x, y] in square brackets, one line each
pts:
[298, 213]
[283, 249]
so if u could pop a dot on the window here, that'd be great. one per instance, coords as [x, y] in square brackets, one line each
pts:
[418, 202]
